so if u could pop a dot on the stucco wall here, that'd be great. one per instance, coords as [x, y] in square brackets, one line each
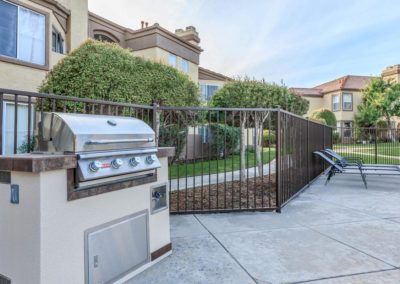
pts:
[162, 56]
[46, 224]
[20, 77]
[326, 103]
[212, 82]
[316, 103]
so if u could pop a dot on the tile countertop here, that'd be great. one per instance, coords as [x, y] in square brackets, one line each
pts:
[41, 162]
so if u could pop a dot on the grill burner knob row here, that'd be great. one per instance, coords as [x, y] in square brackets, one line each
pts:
[116, 163]
[151, 159]
[95, 166]
[134, 161]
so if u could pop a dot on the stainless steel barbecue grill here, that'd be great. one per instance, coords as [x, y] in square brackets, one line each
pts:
[109, 149]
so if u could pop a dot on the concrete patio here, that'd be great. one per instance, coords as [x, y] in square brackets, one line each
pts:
[340, 233]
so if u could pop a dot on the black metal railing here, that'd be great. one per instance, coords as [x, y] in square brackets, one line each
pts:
[373, 145]
[227, 159]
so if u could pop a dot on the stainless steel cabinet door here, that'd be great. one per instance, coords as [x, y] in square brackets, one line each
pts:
[117, 248]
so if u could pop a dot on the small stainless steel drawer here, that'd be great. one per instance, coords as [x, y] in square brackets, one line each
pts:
[116, 248]
[159, 198]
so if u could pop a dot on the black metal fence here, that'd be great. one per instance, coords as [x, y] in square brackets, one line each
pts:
[373, 145]
[227, 159]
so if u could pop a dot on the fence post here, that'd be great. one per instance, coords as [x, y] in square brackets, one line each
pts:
[156, 122]
[308, 151]
[278, 161]
[376, 146]
[1, 123]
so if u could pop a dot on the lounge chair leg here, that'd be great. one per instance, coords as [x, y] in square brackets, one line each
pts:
[330, 174]
[364, 178]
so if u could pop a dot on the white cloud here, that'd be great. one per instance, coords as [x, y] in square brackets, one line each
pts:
[299, 41]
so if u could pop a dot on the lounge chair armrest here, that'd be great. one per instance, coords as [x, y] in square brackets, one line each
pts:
[355, 159]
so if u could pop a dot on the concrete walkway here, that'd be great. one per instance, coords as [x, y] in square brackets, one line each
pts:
[190, 182]
[340, 233]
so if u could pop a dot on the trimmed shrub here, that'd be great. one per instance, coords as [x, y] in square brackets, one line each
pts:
[173, 136]
[221, 133]
[269, 138]
[325, 116]
[106, 71]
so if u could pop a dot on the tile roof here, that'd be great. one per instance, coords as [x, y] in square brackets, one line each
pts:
[349, 82]
[307, 92]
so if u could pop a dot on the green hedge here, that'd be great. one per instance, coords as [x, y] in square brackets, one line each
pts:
[106, 71]
[173, 136]
[325, 116]
[224, 139]
[269, 138]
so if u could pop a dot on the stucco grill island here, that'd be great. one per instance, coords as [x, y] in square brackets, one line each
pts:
[62, 194]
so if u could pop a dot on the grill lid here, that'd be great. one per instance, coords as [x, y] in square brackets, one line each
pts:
[66, 132]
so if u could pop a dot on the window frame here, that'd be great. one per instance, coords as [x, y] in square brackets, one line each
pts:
[187, 64]
[352, 101]
[17, 61]
[334, 96]
[206, 97]
[57, 34]
[176, 60]
[4, 122]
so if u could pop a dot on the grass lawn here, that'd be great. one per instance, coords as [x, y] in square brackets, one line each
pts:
[213, 166]
[388, 153]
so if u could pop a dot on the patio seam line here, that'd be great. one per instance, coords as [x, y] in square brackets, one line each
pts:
[227, 251]
[345, 275]
[350, 246]
[393, 221]
[340, 205]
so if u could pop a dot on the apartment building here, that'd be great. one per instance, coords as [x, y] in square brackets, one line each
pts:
[210, 82]
[343, 95]
[36, 34]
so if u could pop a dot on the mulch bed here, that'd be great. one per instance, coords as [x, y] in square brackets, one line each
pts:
[254, 193]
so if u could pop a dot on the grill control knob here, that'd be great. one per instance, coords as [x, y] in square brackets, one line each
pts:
[134, 161]
[151, 159]
[95, 166]
[116, 163]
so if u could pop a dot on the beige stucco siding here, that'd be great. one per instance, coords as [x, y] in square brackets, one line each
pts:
[212, 82]
[162, 56]
[23, 77]
[316, 103]
[326, 103]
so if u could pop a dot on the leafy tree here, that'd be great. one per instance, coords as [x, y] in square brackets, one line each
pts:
[251, 93]
[367, 116]
[380, 99]
[326, 116]
[106, 71]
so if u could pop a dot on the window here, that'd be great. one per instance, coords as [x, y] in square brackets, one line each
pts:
[347, 101]
[23, 33]
[103, 38]
[335, 102]
[172, 60]
[184, 66]
[338, 128]
[208, 91]
[22, 126]
[347, 129]
[204, 134]
[57, 41]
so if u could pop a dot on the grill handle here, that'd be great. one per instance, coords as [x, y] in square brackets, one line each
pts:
[119, 141]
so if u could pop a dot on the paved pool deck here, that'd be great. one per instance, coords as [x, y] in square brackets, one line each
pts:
[340, 233]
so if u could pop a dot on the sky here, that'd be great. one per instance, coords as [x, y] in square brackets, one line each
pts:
[301, 43]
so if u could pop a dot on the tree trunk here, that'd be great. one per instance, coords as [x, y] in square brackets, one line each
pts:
[242, 147]
[258, 142]
[389, 130]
